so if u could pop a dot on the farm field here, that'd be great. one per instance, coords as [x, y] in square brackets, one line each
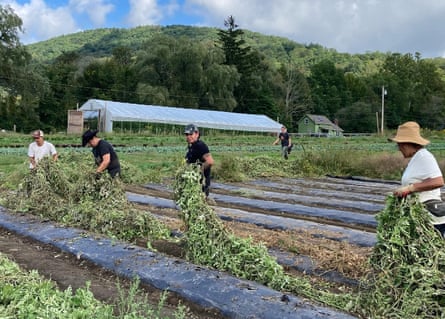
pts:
[327, 221]
[318, 226]
[330, 248]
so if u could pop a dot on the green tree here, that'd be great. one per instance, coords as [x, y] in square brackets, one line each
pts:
[415, 90]
[113, 78]
[328, 87]
[121, 69]
[297, 99]
[20, 86]
[184, 73]
[61, 95]
[360, 117]
[248, 64]
[95, 82]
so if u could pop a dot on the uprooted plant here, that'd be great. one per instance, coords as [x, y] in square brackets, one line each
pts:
[209, 243]
[72, 194]
[408, 265]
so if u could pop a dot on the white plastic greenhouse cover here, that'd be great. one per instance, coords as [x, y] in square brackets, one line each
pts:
[126, 112]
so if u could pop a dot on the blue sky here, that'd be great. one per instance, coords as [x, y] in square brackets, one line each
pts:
[353, 26]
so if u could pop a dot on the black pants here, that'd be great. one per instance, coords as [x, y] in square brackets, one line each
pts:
[441, 229]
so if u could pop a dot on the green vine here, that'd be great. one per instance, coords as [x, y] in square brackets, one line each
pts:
[408, 263]
[74, 195]
[209, 243]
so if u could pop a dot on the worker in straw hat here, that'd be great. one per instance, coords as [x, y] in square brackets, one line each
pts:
[422, 174]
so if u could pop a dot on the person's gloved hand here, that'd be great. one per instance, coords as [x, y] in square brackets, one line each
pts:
[404, 191]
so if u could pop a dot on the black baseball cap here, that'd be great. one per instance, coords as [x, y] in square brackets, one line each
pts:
[190, 129]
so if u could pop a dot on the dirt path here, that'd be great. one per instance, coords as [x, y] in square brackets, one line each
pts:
[66, 270]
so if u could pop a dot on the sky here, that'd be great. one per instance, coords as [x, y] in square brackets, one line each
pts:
[348, 26]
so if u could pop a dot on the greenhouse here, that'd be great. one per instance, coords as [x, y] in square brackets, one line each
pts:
[108, 112]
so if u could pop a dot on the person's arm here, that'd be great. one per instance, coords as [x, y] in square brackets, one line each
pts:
[425, 185]
[106, 159]
[31, 156]
[428, 184]
[32, 161]
[54, 153]
[208, 161]
[276, 141]
[290, 141]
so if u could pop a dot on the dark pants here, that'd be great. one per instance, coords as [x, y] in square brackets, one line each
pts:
[441, 229]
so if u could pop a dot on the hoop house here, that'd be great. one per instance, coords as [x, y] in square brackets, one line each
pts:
[109, 112]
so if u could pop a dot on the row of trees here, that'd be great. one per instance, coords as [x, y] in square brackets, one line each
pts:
[225, 75]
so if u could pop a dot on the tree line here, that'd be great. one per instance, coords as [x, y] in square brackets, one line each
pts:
[225, 74]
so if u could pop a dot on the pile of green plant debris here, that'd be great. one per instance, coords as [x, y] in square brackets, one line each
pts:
[408, 265]
[70, 192]
[209, 243]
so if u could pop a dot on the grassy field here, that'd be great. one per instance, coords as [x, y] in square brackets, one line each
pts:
[146, 158]
[241, 156]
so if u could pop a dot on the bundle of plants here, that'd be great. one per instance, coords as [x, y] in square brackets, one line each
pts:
[408, 265]
[70, 192]
[25, 295]
[209, 242]
[28, 295]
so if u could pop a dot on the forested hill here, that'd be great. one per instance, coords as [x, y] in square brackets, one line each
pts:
[233, 70]
[101, 42]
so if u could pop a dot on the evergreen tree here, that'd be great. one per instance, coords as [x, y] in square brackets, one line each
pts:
[237, 53]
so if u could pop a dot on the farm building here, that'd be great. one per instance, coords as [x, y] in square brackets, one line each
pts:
[318, 125]
[108, 112]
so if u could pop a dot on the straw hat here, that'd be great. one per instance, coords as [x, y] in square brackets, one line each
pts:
[409, 132]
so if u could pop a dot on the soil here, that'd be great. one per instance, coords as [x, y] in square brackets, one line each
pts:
[350, 260]
[68, 271]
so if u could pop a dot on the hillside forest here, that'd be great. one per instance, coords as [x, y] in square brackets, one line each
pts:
[228, 69]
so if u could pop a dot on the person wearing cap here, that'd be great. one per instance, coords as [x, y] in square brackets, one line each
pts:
[286, 142]
[40, 149]
[422, 174]
[104, 155]
[198, 152]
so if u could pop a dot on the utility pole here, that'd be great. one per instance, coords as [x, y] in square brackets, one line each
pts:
[383, 106]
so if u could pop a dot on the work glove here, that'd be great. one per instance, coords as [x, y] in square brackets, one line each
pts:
[404, 191]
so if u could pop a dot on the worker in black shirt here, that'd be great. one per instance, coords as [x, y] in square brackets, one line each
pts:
[198, 152]
[286, 142]
[104, 154]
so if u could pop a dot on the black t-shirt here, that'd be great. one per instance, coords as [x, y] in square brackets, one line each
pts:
[195, 154]
[284, 137]
[102, 148]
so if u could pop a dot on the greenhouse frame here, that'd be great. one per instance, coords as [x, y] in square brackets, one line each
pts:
[108, 112]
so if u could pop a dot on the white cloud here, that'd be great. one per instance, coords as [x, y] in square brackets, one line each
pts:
[144, 12]
[42, 22]
[354, 26]
[97, 10]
